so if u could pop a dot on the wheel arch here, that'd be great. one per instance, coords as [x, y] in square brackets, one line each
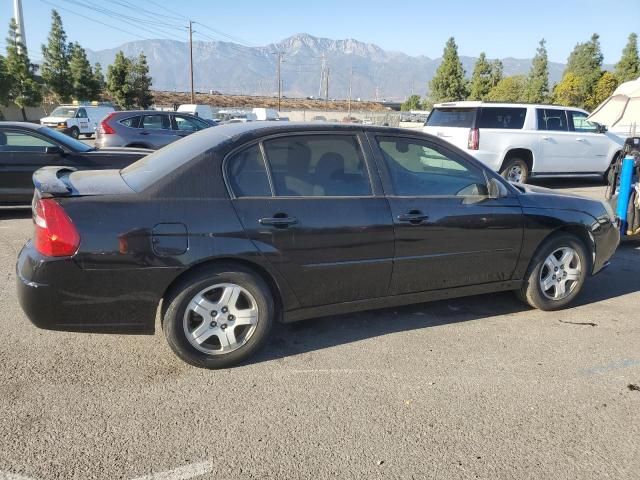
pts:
[244, 264]
[520, 152]
[579, 231]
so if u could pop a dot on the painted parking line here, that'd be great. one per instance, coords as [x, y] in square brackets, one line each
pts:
[181, 473]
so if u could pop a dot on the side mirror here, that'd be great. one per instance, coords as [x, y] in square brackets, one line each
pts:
[601, 128]
[497, 189]
[53, 150]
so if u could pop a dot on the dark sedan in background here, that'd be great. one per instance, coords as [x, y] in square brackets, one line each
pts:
[26, 147]
[146, 128]
[243, 225]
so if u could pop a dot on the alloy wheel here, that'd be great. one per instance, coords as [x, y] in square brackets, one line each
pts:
[560, 274]
[220, 319]
[515, 174]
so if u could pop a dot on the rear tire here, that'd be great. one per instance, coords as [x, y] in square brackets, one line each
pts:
[74, 132]
[202, 319]
[556, 273]
[515, 170]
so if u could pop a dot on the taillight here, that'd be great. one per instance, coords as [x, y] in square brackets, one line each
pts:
[474, 139]
[55, 234]
[105, 128]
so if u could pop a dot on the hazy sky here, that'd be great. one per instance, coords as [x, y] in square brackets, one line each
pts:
[499, 28]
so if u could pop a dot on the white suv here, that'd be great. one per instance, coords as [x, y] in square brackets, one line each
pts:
[522, 141]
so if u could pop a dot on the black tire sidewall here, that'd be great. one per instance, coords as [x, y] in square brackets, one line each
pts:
[75, 133]
[516, 161]
[531, 291]
[172, 321]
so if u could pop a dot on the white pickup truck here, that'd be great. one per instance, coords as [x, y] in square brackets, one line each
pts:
[522, 140]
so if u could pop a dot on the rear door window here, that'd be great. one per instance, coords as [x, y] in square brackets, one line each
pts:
[552, 120]
[247, 174]
[452, 117]
[156, 122]
[506, 118]
[131, 122]
[318, 166]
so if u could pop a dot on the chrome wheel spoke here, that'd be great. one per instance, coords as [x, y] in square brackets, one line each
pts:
[246, 317]
[229, 296]
[548, 282]
[203, 333]
[572, 274]
[202, 306]
[561, 289]
[566, 257]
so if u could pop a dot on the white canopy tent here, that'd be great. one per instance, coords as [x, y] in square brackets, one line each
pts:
[621, 111]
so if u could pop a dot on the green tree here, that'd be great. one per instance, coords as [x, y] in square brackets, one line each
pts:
[23, 90]
[628, 68]
[141, 82]
[538, 79]
[481, 80]
[568, 91]
[604, 89]
[449, 84]
[98, 81]
[509, 89]
[119, 84]
[411, 103]
[55, 61]
[496, 72]
[585, 63]
[5, 82]
[82, 79]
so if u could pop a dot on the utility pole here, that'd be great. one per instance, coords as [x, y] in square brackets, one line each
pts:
[350, 82]
[279, 80]
[326, 90]
[17, 14]
[322, 74]
[193, 98]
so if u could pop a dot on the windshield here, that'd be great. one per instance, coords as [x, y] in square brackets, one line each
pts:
[65, 112]
[67, 141]
[451, 117]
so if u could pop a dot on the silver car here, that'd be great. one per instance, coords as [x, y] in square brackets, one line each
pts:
[146, 128]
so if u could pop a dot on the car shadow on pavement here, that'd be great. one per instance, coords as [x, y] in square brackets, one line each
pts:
[621, 278]
[564, 183]
[12, 213]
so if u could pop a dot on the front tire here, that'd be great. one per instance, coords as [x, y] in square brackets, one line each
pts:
[556, 273]
[217, 318]
[515, 170]
[74, 132]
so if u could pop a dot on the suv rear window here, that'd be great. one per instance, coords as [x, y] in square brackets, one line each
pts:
[131, 122]
[499, 117]
[451, 117]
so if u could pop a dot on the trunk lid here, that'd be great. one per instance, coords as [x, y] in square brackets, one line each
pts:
[69, 182]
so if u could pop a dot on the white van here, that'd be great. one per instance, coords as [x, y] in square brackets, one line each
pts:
[202, 111]
[75, 120]
[266, 114]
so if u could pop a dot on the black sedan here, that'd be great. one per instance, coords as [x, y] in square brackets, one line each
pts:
[234, 228]
[26, 147]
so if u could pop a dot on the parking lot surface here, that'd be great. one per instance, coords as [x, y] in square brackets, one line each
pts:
[480, 387]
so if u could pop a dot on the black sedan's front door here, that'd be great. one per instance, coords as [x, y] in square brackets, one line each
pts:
[316, 214]
[448, 231]
[22, 153]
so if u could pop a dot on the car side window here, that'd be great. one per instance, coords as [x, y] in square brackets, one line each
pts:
[131, 122]
[318, 166]
[156, 122]
[580, 122]
[421, 168]
[21, 142]
[82, 113]
[186, 124]
[247, 174]
[552, 120]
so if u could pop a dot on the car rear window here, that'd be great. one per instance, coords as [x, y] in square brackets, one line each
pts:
[451, 117]
[497, 117]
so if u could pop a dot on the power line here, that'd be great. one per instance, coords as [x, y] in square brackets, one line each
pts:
[168, 9]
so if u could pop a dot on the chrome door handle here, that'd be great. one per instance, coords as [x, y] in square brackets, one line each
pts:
[278, 222]
[414, 217]
[546, 138]
[580, 140]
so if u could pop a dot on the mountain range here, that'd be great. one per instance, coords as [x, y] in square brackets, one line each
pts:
[232, 68]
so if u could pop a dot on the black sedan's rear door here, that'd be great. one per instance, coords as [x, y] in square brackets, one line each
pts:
[317, 213]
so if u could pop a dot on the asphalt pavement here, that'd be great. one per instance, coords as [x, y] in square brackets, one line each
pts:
[475, 388]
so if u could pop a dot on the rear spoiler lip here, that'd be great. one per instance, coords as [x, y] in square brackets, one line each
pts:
[53, 181]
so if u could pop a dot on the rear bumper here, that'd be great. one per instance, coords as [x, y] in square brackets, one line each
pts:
[56, 294]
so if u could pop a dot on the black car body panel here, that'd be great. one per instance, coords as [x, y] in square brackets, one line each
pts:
[31, 150]
[145, 227]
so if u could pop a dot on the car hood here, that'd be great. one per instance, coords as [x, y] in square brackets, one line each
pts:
[532, 196]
